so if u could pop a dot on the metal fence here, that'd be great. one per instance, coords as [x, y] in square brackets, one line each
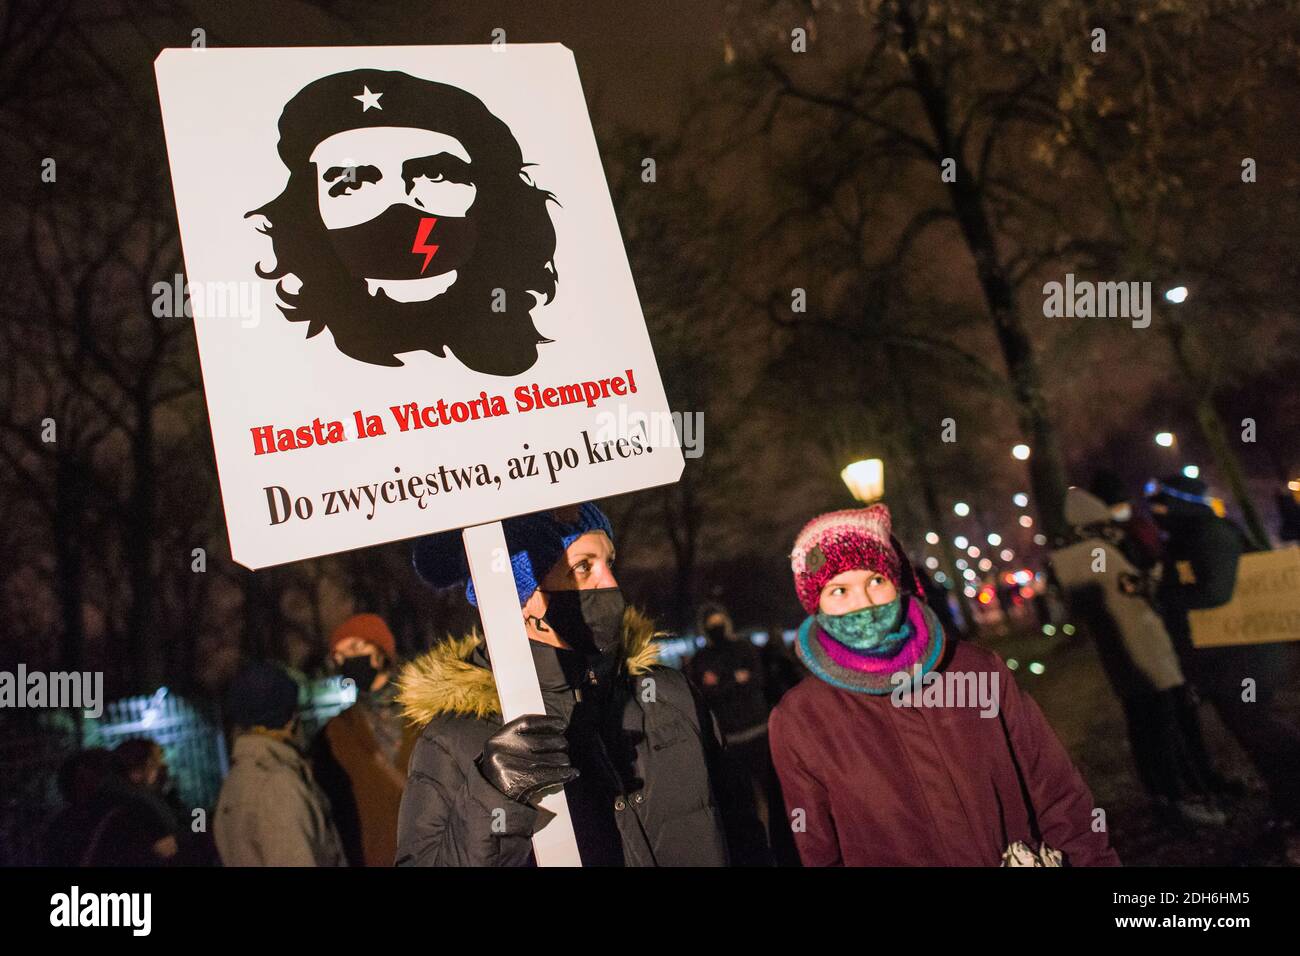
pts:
[191, 734]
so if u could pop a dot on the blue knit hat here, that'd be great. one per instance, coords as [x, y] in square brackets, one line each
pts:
[535, 541]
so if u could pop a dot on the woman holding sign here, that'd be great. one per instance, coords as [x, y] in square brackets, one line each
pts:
[632, 744]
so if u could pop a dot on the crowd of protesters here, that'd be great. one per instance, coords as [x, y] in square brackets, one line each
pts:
[851, 751]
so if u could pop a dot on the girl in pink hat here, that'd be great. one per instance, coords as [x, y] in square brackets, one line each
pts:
[902, 747]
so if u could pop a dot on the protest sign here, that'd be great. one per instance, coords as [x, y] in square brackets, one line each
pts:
[1265, 605]
[413, 307]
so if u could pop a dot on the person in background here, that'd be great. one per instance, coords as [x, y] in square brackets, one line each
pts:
[635, 749]
[1139, 535]
[360, 757]
[1104, 594]
[133, 824]
[878, 772]
[730, 674]
[782, 671]
[936, 596]
[1199, 570]
[1288, 511]
[69, 833]
[271, 812]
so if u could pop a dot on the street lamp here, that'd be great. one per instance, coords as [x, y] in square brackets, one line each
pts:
[865, 479]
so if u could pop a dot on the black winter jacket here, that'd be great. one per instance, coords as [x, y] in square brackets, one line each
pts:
[657, 789]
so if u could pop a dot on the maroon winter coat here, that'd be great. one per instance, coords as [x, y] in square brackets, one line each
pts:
[883, 785]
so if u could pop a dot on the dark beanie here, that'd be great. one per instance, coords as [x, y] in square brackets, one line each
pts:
[536, 542]
[261, 695]
[1187, 486]
[1109, 487]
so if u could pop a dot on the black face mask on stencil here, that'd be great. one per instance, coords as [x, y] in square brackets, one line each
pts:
[590, 620]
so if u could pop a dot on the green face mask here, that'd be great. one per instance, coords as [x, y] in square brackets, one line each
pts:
[878, 629]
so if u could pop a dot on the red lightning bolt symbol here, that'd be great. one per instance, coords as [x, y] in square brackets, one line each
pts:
[421, 241]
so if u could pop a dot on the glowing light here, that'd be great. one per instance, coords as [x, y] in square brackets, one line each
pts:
[1049, 630]
[931, 538]
[985, 597]
[1026, 521]
[973, 551]
[1036, 668]
[969, 591]
[961, 563]
[961, 509]
[1013, 664]
[865, 479]
[961, 541]
[986, 564]
[932, 562]
[1165, 439]
[1177, 295]
[1040, 539]
[1068, 630]
[1020, 452]
[969, 574]
[940, 577]
[1191, 471]
[1021, 499]
[994, 539]
[1006, 554]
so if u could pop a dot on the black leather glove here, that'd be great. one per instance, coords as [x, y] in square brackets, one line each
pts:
[526, 756]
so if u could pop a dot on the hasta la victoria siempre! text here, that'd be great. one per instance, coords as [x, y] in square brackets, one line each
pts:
[412, 415]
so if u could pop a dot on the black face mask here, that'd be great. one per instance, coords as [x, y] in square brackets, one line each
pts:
[590, 620]
[716, 633]
[403, 242]
[360, 671]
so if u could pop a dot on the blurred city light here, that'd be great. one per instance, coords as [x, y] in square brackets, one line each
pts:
[865, 479]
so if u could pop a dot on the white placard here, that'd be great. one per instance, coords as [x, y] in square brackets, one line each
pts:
[401, 202]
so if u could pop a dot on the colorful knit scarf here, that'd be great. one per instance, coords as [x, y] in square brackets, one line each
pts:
[916, 650]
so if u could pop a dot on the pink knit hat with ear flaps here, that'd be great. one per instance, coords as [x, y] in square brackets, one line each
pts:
[849, 540]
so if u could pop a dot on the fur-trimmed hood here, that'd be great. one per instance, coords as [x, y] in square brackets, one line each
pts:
[445, 681]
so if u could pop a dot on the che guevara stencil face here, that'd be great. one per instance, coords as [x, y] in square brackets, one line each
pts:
[409, 223]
